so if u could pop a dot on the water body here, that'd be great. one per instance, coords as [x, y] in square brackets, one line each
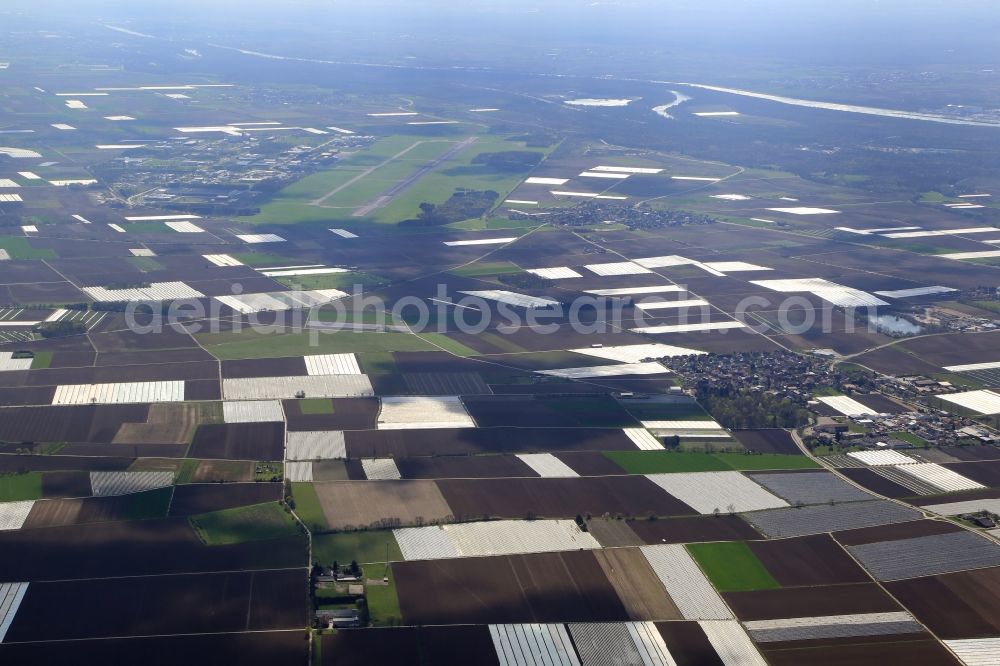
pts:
[849, 108]
[896, 325]
[679, 98]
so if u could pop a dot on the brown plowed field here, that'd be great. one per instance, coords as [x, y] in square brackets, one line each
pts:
[638, 588]
[875, 482]
[542, 587]
[958, 605]
[461, 645]
[890, 360]
[13, 463]
[970, 453]
[560, 498]
[688, 644]
[264, 367]
[199, 603]
[223, 471]
[546, 412]
[202, 389]
[462, 441]
[767, 440]
[59, 512]
[239, 441]
[138, 548]
[590, 463]
[986, 472]
[463, 467]
[364, 503]
[988, 493]
[168, 423]
[66, 484]
[610, 532]
[155, 371]
[810, 601]
[870, 651]
[79, 423]
[160, 356]
[809, 560]
[956, 348]
[895, 531]
[693, 530]
[348, 414]
[191, 500]
[254, 649]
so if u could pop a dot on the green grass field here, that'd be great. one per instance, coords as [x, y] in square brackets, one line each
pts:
[146, 264]
[448, 344]
[308, 509]
[316, 406]
[246, 523]
[658, 462]
[16, 487]
[343, 281]
[42, 360]
[732, 566]
[383, 602]
[19, 248]
[364, 547]
[249, 344]
[486, 269]
[264, 259]
[910, 438]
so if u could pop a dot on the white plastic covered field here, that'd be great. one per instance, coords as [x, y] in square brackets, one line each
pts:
[683, 580]
[636, 353]
[156, 291]
[108, 484]
[617, 370]
[11, 595]
[940, 477]
[689, 328]
[533, 645]
[279, 301]
[260, 238]
[617, 268]
[383, 469]
[279, 388]
[13, 514]
[299, 471]
[983, 401]
[481, 241]
[554, 273]
[643, 439]
[846, 405]
[8, 362]
[635, 291]
[876, 458]
[547, 465]
[119, 393]
[706, 492]
[315, 445]
[409, 412]
[495, 537]
[512, 298]
[332, 364]
[252, 411]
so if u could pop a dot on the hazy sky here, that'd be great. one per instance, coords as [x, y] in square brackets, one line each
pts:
[846, 30]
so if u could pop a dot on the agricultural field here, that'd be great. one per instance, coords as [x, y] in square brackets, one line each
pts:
[576, 366]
